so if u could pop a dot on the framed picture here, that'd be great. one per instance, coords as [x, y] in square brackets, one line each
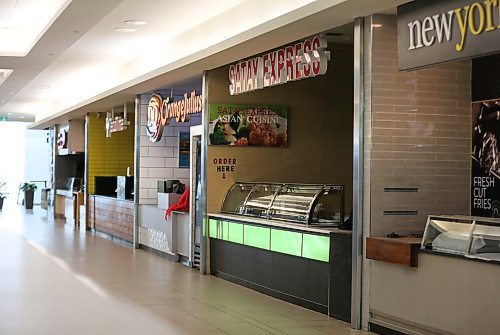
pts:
[184, 146]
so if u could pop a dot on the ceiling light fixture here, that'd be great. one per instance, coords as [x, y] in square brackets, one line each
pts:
[4, 74]
[19, 34]
[376, 25]
[43, 88]
[21, 117]
[125, 30]
[9, 113]
[135, 22]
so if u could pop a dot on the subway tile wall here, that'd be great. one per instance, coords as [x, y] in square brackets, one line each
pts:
[160, 160]
[418, 129]
[109, 156]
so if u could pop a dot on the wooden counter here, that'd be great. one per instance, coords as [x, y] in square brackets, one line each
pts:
[401, 250]
[112, 216]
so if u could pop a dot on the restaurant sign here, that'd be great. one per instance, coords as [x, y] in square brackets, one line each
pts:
[301, 60]
[248, 125]
[161, 110]
[432, 32]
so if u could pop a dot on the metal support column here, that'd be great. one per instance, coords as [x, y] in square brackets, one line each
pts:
[137, 137]
[357, 201]
[205, 249]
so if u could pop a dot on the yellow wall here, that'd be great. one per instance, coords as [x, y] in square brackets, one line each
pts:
[320, 112]
[109, 156]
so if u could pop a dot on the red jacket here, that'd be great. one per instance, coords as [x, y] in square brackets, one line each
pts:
[181, 206]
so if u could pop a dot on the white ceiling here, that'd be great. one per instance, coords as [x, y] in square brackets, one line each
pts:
[80, 63]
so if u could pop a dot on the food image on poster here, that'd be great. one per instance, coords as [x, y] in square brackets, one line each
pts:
[485, 183]
[248, 125]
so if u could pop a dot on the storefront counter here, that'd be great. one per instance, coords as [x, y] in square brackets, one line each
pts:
[306, 266]
[112, 216]
[444, 295]
[170, 236]
[68, 205]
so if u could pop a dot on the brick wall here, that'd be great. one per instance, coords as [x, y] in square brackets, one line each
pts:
[420, 137]
[160, 160]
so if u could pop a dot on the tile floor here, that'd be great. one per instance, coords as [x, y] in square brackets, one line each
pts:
[58, 280]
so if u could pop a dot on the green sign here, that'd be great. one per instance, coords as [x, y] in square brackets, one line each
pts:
[3, 118]
[248, 125]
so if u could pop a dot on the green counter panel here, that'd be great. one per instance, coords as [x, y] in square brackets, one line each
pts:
[293, 243]
[316, 247]
[235, 232]
[225, 230]
[257, 237]
[287, 242]
[212, 229]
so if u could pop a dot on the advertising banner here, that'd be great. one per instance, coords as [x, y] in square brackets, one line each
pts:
[248, 125]
[485, 183]
[432, 32]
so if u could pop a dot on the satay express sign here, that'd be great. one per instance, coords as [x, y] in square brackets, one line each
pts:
[305, 59]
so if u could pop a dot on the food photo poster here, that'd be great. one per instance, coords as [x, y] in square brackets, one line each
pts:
[248, 125]
[485, 183]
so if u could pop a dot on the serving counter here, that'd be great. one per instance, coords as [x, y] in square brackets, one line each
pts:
[458, 258]
[277, 242]
[112, 216]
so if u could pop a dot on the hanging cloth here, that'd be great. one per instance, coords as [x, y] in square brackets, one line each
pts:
[181, 206]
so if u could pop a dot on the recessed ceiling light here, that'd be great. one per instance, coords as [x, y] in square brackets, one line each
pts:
[21, 117]
[376, 25]
[11, 93]
[9, 113]
[125, 30]
[43, 88]
[135, 22]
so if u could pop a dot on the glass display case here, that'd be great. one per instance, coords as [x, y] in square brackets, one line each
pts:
[474, 237]
[309, 204]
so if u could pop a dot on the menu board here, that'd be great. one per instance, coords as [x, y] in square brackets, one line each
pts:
[248, 125]
[485, 183]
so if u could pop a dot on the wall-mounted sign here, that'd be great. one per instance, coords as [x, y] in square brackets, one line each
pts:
[160, 111]
[115, 125]
[248, 125]
[431, 32]
[294, 62]
[62, 139]
[225, 165]
[485, 184]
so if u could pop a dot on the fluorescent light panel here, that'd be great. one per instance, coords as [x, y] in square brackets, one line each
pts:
[22, 22]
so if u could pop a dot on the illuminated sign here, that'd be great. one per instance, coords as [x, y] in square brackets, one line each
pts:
[302, 60]
[62, 139]
[431, 32]
[160, 111]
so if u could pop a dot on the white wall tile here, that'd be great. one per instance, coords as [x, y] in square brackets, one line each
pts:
[161, 152]
[148, 182]
[181, 173]
[171, 141]
[171, 162]
[152, 194]
[144, 151]
[161, 173]
[152, 162]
